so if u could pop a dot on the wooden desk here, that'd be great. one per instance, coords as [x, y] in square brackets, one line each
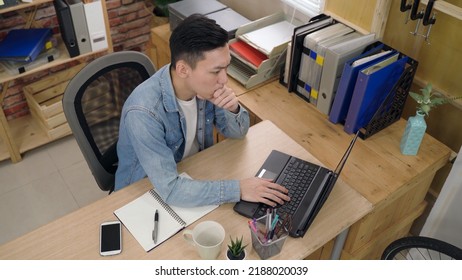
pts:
[395, 184]
[76, 236]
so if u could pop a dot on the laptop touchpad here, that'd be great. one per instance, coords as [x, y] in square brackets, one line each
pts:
[265, 174]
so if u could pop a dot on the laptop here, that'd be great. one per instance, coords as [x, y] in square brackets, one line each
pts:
[309, 186]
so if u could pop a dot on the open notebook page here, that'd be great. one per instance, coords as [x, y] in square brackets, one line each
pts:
[138, 217]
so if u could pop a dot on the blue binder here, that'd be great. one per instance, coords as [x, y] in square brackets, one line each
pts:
[24, 45]
[347, 83]
[369, 93]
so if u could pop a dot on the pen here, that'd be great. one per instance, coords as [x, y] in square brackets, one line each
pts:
[156, 227]
[272, 227]
[268, 220]
[252, 227]
[275, 220]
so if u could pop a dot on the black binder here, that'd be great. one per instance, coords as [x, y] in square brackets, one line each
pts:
[66, 27]
[316, 23]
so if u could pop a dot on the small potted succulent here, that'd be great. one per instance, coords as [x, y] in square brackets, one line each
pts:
[236, 250]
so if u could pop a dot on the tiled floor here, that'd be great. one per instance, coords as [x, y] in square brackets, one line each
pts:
[48, 183]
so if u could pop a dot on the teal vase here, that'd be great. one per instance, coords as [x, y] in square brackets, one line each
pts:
[413, 134]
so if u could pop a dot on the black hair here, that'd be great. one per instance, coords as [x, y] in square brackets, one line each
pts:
[195, 35]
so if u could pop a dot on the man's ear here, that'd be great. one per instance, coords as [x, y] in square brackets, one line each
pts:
[182, 69]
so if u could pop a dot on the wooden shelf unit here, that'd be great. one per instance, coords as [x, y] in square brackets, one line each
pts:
[23, 134]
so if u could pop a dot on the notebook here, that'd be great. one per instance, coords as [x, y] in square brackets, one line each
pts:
[309, 186]
[138, 217]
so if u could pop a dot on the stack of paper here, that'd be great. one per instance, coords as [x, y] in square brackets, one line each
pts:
[17, 67]
[267, 38]
[258, 51]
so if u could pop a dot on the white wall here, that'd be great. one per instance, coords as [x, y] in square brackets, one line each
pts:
[254, 9]
[445, 219]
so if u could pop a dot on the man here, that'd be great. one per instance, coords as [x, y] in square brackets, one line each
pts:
[171, 116]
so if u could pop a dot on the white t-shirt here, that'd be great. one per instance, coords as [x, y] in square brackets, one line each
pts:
[189, 109]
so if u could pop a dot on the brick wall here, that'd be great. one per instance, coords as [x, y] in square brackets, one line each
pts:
[130, 23]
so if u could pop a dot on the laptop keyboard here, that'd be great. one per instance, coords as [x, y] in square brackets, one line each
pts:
[297, 178]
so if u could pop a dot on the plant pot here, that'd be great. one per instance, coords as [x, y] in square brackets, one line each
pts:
[413, 134]
[242, 256]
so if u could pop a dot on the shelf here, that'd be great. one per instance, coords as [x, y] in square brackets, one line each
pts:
[63, 58]
[25, 133]
[21, 6]
[447, 8]
[28, 134]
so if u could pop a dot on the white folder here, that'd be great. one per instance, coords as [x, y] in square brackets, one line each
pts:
[96, 26]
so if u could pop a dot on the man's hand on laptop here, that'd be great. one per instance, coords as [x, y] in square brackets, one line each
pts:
[263, 190]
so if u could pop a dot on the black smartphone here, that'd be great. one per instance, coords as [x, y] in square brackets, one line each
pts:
[110, 238]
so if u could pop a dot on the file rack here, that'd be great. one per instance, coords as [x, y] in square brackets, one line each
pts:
[392, 107]
[244, 72]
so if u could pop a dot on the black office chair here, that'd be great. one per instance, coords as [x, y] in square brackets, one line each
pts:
[92, 104]
[421, 248]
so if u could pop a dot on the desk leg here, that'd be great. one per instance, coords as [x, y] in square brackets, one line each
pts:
[338, 244]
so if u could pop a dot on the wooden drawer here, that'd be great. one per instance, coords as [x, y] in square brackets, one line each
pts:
[399, 205]
[44, 98]
[322, 253]
[388, 221]
[375, 247]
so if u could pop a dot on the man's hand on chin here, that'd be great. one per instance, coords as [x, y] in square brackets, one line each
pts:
[225, 98]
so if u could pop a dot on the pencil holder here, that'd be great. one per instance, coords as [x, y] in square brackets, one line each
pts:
[265, 243]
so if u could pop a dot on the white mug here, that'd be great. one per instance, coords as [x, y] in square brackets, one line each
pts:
[207, 237]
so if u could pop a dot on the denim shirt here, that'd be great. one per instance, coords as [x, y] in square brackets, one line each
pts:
[152, 141]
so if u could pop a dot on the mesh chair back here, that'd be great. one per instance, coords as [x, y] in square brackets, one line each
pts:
[93, 102]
